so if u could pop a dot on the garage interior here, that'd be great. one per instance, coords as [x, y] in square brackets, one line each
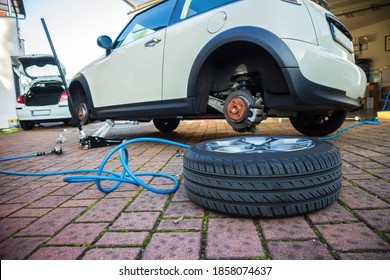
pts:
[369, 23]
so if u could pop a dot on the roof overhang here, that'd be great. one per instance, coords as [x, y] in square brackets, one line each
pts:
[137, 5]
[12, 8]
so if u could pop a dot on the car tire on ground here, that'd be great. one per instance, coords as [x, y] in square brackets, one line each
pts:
[166, 125]
[27, 125]
[327, 124]
[263, 176]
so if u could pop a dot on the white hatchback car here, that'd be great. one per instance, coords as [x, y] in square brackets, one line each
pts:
[242, 60]
[45, 99]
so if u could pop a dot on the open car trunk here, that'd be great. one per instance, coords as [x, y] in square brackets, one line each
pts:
[43, 96]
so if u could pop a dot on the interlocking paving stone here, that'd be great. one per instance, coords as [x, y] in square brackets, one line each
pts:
[9, 226]
[174, 246]
[71, 189]
[77, 234]
[368, 164]
[286, 229]
[136, 221]
[33, 213]
[356, 198]
[79, 203]
[57, 253]
[19, 248]
[49, 201]
[112, 254]
[299, 250]
[90, 194]
[348, 237]
[379, 219]
[148, 201]
[378, 187]
[186, 209]
[360, 176]
[49, 224]
[122, 194]
[104, 211]
[7, 209]
[31, 196]
[122, 238]
[233, 238]
[180, 195]
[178, 224]
[365, 256]
[332, 213]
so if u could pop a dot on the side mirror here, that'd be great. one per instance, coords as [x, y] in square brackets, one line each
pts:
[105, 42]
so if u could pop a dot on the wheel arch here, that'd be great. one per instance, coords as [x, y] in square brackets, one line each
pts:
[79, 88]
[262, 50]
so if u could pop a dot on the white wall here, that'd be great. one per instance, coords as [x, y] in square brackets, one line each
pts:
[9, 46]
[376, 48]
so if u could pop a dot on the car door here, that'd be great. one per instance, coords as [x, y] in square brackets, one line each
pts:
[132, 72]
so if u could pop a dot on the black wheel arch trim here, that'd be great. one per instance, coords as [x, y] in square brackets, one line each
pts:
[259, 36]
[80, 78]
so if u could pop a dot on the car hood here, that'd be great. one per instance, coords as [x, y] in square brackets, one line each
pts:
[37, 66]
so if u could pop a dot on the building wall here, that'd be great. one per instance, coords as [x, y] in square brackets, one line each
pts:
[375, 48]
[9, 46]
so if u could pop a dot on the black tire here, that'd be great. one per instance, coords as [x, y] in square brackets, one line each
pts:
[166, 125]
[318, 125]
[27, 125]
[82, 111]
[258, 185]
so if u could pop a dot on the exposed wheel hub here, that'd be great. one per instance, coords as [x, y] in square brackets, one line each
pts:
[81, 112]
[237, 109]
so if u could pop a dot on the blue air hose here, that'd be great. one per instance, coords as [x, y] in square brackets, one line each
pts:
[369, 122]
[127, 176]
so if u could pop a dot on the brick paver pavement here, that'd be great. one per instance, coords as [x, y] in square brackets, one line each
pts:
[46, 218]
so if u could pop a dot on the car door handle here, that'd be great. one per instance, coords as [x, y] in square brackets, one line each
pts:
[152, 42]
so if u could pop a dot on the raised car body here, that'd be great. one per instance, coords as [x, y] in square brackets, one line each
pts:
[244, 60]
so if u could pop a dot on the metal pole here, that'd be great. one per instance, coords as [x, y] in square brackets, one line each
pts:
[70, 101]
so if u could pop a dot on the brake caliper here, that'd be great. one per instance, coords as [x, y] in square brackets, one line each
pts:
[242, 109]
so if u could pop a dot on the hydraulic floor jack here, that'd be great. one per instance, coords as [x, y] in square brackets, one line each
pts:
[97, 140]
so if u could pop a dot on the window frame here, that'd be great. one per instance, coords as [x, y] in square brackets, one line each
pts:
[126, 30]
[176, 16]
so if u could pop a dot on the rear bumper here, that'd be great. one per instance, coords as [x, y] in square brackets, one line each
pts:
[322, 81]
[323, 68]
[46, 113]
[309, 96]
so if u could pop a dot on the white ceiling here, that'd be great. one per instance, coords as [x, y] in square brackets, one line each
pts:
[359, 13]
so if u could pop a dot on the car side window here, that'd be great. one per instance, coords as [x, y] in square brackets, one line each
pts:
[145, 23]
[194, 7]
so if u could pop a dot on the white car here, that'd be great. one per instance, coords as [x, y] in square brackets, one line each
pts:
[45, 99]
[242, 60]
